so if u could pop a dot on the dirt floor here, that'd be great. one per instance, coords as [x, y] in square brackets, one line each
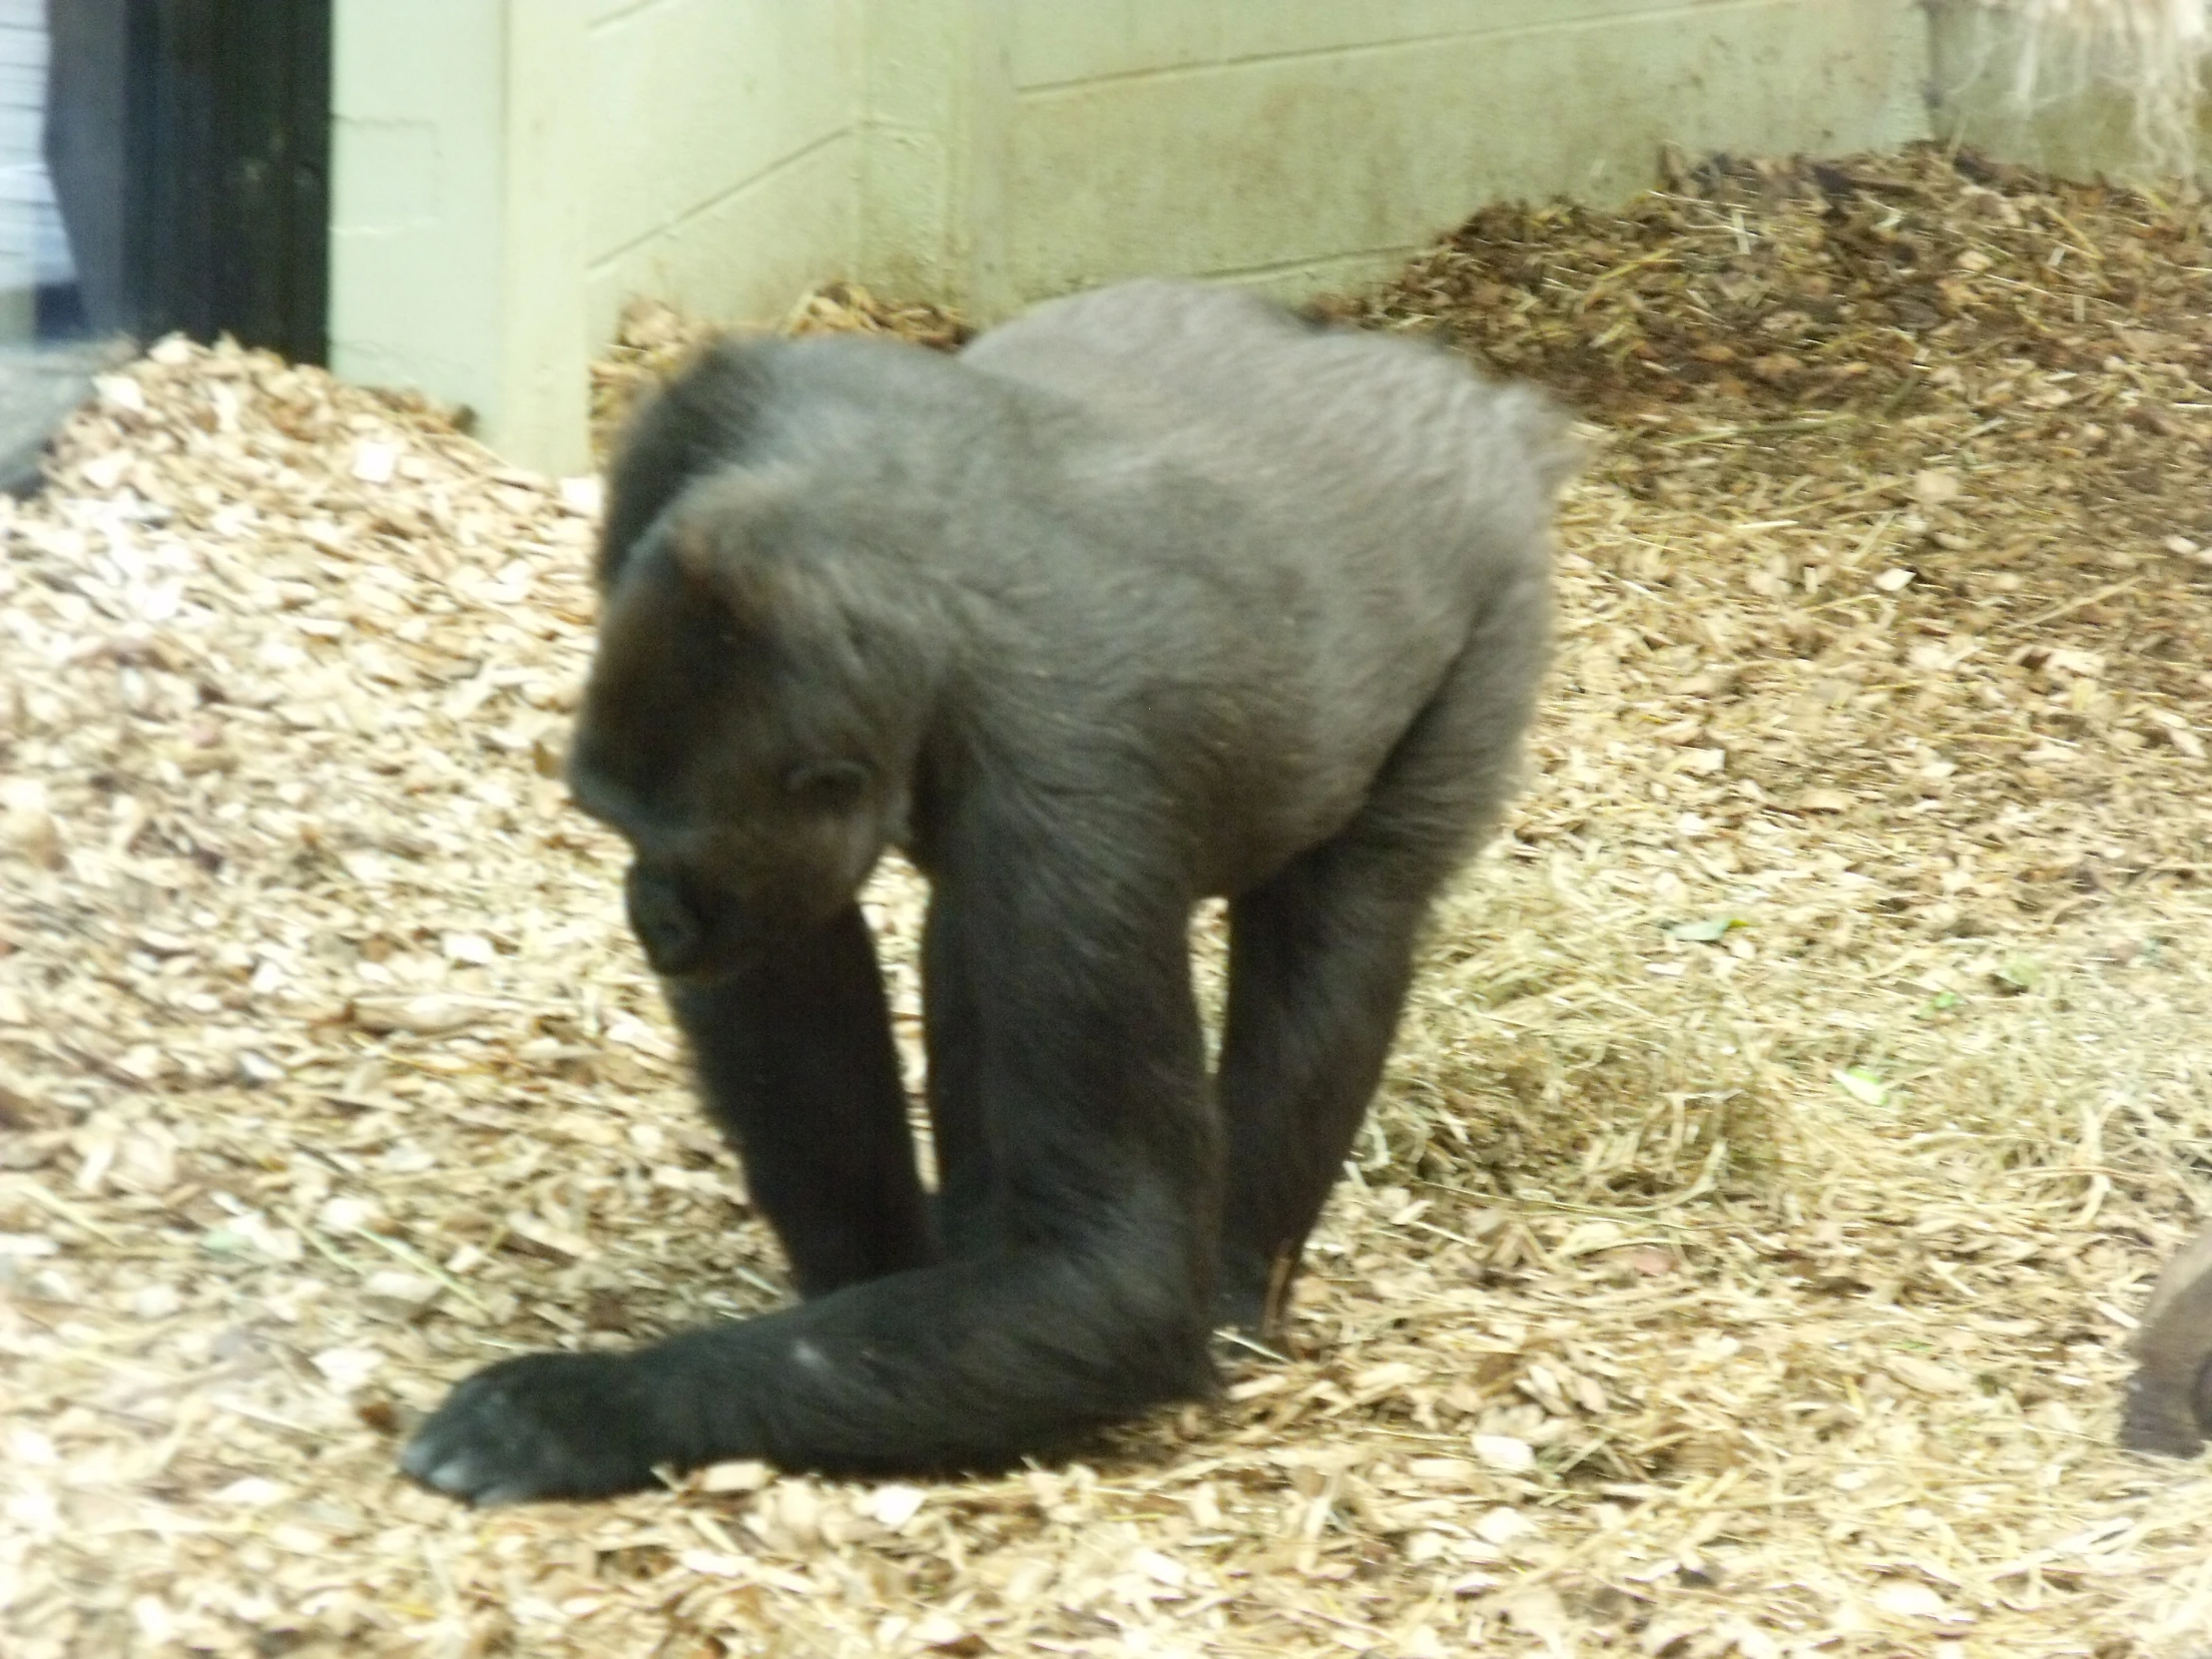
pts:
[1797, 1104]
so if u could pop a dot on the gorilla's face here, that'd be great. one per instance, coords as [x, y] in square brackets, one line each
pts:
[734, 761]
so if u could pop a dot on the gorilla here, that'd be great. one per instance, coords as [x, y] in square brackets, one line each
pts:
[1156, 593]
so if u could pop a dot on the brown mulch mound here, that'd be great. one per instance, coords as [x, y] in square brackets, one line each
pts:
[1798, 1102]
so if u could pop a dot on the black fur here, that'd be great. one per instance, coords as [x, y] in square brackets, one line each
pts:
[1155, 594]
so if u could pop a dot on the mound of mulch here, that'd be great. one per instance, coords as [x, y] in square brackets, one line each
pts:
[1797, 1104]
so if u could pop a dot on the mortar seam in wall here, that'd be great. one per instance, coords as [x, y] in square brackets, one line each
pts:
[1353, 49]
[620, 16]
[1398, 251]
[599, 264]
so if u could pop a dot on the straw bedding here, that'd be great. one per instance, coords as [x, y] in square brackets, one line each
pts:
[1798, 1098]
[2150, 54]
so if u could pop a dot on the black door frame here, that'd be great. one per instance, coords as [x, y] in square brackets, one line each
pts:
[189, 142]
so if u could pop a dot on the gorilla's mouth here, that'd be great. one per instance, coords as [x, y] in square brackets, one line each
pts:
[698, 935]
[682, 935]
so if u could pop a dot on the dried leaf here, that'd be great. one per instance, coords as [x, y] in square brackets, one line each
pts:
[1909, 1598]
[1704, 932]
[1863, 1086]
[1505, 1453]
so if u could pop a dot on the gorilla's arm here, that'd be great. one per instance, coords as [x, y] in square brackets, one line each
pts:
[796, 1065]
[1086, 1302]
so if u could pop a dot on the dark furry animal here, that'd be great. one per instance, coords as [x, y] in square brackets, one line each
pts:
[1154, 594]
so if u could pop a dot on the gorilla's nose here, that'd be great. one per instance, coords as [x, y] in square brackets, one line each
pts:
[664, 920]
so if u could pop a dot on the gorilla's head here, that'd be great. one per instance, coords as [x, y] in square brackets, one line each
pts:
[750, 724]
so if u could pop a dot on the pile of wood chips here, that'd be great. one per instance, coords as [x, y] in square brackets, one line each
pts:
[1799, 1100]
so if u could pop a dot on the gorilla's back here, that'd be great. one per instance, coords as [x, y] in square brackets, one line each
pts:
[1189, 523]
[1366, 510]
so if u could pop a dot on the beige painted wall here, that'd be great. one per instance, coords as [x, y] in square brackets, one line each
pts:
[455, 235]
[725, 161]
[509, 172]
[417, 155]
[1304, 143]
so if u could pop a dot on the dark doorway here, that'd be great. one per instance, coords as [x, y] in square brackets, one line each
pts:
[188, 143]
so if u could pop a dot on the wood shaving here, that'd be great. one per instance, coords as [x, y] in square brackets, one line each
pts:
[1797, 1105]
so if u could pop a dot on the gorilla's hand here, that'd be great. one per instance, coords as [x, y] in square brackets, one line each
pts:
[547, 1425]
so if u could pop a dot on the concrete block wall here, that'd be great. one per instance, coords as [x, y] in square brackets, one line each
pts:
[1304, 143]
[454, 230]
[726, 152]
[509, 172]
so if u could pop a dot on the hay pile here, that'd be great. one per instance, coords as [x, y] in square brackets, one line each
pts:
[1798, 1103]
[2150, 52]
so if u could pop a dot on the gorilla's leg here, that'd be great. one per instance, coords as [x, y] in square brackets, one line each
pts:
[796, 1065]
[1320, 958]
[1318, 962]
[1088, 1304]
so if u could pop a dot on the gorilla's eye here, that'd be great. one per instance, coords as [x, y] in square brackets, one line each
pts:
[828, 786]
